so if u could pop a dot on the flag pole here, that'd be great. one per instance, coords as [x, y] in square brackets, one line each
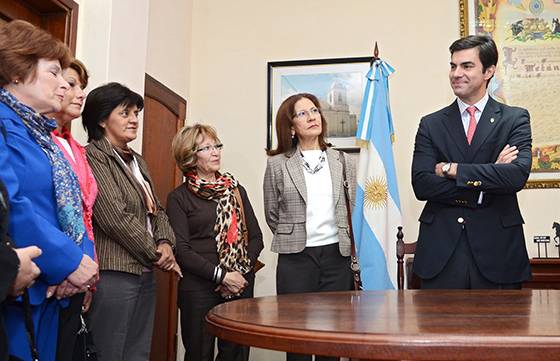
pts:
[377, 212]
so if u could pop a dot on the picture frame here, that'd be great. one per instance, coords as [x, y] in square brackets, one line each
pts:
[527, 33]
[339, 85]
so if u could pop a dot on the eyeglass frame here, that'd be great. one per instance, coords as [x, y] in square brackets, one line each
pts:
[307, 113]
[209, 148]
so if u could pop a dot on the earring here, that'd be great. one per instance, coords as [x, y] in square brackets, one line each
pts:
[292, 136]
[16, 81]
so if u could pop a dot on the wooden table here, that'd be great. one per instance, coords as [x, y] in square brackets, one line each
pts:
[546, 274]
[399, 325]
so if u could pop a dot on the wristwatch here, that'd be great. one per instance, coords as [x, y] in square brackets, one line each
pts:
[445, 169]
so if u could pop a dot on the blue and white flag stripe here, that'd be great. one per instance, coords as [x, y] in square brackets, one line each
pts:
[376, 71]
[377, 213]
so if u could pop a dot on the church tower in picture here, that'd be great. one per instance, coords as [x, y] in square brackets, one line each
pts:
[341, 123]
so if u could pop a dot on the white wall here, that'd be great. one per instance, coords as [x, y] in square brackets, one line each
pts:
[112, 43]
[169, 43]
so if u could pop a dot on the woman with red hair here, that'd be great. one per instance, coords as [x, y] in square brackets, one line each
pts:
[44, 193]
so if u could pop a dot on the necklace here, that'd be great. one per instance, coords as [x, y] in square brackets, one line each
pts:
[317, 168]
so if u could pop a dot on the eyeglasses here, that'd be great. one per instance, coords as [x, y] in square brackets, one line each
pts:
[210, 148]
[306, 114]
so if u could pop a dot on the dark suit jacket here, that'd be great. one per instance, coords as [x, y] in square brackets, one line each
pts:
[494, 228]
[9, 264]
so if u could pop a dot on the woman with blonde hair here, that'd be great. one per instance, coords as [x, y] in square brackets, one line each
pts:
[218, 240]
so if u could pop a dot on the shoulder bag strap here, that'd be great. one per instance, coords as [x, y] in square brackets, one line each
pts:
[354, 262]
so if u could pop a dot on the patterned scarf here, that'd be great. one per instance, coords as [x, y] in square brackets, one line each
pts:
[232, 246]
[81, 168]
[66, 186]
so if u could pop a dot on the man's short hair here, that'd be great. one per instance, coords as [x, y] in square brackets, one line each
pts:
[487, 50]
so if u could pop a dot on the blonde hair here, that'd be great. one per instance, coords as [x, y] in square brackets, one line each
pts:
[184, 144]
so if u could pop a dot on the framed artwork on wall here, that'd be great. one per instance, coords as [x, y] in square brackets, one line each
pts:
[527, 33]
[338, 84]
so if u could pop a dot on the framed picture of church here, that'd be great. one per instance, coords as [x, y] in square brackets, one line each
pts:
[338, 84]
[527, 33]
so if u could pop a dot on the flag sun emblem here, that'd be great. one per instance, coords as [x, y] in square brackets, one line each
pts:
[375, 195]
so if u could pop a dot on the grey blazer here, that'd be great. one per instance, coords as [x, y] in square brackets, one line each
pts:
[285, 198]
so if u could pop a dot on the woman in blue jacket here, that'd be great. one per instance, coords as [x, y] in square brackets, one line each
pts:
[44, 194]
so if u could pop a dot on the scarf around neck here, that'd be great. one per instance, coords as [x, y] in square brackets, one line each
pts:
[78, 162]
[66, 186]
[231, 245]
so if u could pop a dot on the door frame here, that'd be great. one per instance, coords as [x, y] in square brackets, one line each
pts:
[178, 106]
[59, 17]
[172, 101]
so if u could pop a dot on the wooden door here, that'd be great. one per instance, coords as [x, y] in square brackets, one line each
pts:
[164, 115]
[59, 17]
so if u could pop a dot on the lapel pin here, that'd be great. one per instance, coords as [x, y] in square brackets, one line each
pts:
[491, 120]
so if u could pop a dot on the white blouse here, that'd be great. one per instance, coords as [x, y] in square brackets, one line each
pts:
[321, 224]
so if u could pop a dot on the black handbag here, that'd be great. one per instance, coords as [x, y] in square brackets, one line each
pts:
[84, 349]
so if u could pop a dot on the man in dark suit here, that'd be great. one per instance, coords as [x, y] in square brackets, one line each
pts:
[17, 270]
[470, 160]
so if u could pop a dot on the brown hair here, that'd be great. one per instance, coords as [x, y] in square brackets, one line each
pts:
[284, 118]
[184, 144]
[21, 47]
[80, 68]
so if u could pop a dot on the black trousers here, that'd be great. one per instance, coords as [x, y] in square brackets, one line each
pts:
[68, 326]
[315, 269]
[461, 272]
[198, 342]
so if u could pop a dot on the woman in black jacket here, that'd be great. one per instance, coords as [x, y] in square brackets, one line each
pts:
[218, 240]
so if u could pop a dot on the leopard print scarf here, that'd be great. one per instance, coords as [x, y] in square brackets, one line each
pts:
[231, 245]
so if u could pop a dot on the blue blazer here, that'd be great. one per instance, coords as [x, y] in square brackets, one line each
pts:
[27, 174]
[495, 227]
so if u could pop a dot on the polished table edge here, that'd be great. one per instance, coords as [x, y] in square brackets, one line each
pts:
[385, 346]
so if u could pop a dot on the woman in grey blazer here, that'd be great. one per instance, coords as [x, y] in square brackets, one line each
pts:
[305, 206]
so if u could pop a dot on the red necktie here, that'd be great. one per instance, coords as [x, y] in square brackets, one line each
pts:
[472, 123]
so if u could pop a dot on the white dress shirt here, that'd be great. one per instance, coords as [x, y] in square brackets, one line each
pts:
[465, 116]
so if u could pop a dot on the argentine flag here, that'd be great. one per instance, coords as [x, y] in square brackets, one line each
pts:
[377, 213]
